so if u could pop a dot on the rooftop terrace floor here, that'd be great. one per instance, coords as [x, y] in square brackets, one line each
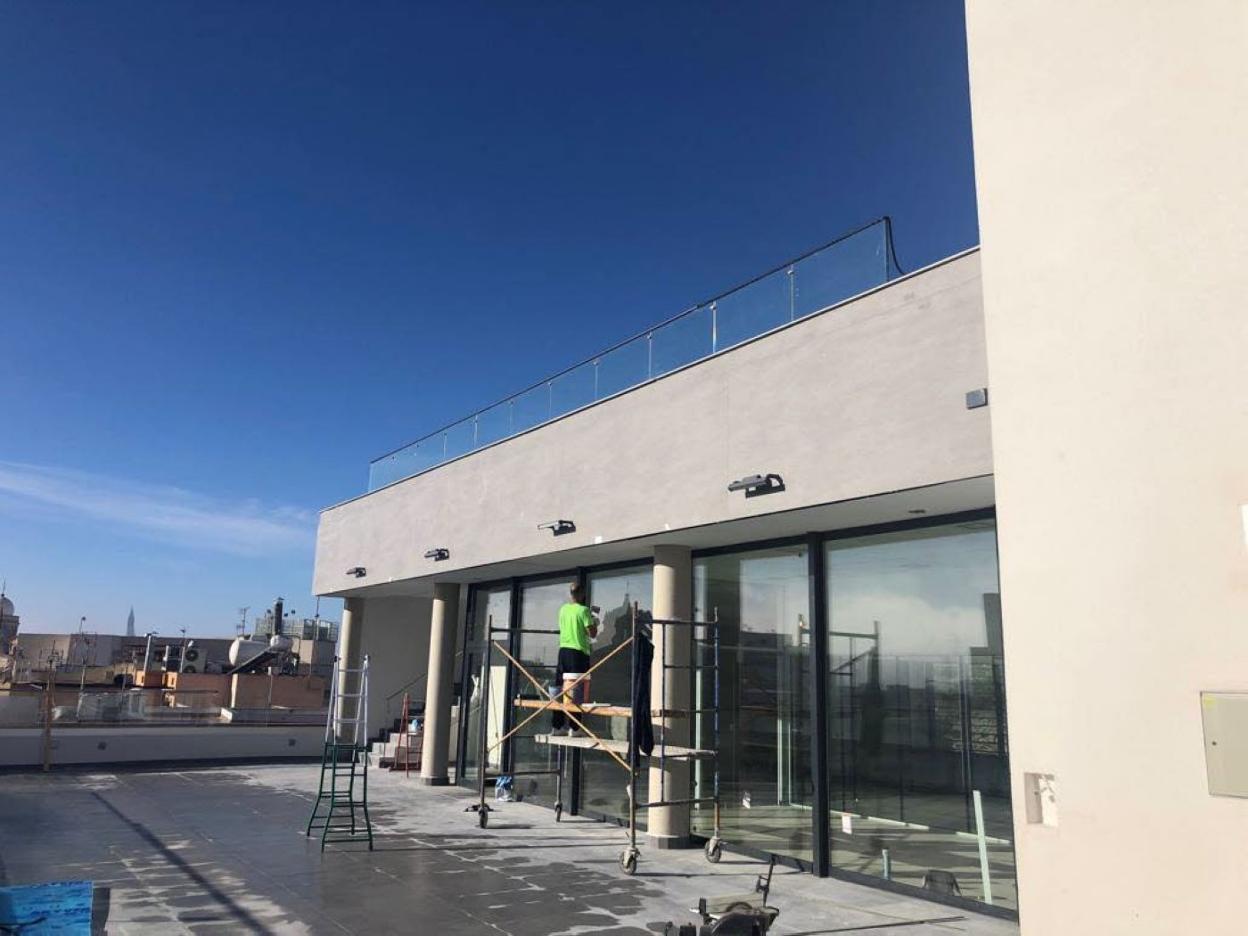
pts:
[222, 850]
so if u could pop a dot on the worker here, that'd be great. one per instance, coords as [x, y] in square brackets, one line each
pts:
[577, 627]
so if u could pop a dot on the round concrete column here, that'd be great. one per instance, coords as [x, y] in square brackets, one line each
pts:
[438, 685]
[350, 645]
[668, 826]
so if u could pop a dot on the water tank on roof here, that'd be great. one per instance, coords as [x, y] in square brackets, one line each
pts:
[243, 649]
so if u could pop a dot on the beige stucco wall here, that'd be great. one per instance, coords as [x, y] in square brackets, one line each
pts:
[865, 399]
[1111, 148]
[396, 639]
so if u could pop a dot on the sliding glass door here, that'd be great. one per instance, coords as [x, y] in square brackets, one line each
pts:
[491, 608]
[918, 762]
[761, 599]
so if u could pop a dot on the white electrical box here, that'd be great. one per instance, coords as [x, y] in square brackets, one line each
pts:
[1225, 716]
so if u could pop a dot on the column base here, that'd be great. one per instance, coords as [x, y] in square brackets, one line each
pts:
[671, 841]
[435, 781]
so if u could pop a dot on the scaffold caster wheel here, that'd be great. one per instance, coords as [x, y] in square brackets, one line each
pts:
[628, 861]
[558, 811]
[483, 817]
[714, 850]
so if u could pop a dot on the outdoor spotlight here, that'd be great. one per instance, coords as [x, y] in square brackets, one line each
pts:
[558, 527]
[757, 484]
[438, 554]
[357, 571]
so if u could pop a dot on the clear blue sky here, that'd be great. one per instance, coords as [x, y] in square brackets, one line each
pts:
[245, 247]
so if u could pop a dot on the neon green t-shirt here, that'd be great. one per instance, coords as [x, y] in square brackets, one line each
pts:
[574, 623]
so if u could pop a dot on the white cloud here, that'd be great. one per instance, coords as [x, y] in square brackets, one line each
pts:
[170, 514]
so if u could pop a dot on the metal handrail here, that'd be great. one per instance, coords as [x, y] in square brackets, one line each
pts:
[891, 262]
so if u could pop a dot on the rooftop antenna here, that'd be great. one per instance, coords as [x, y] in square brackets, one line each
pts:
[242, 620]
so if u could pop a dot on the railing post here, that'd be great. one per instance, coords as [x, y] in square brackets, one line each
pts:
[649, 355]
[596, 378]
[714, 327]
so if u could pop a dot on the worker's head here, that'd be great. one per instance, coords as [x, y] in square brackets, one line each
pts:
[578, 593]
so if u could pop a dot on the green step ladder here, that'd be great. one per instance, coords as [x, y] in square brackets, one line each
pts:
[341, 808]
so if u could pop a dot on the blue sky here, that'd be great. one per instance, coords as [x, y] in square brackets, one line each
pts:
[245, 247]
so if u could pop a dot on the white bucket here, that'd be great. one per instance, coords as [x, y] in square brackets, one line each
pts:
[578, 695]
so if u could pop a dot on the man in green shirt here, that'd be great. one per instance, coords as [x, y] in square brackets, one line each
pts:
[577, 628]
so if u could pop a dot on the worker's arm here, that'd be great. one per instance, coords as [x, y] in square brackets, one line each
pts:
[592, 626]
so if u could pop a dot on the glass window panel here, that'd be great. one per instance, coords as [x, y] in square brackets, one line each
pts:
[761, 598]
[682, 342]
[573, 390]
[603, 781]
[539, 611]
[491, 608]
[531, 408]
[916, 700]
[752, 310]
[626, 366]
[841, 270]
[494, 423]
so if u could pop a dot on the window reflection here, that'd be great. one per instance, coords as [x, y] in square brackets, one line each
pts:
[539, 652]
[916, 708]
[491, 607]
[602, 779]
[761, 598]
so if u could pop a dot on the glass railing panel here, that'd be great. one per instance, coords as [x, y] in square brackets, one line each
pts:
[841, 270]
[494, 423]
[681, 342]
[852, 265]
[460, 439]
[751, 310]
[577, 388]
[531, 408]
[624, 367]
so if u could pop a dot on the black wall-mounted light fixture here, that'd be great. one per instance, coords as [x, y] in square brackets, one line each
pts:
[758, 484]
[558, 527]
[357, 571]
[438, 554]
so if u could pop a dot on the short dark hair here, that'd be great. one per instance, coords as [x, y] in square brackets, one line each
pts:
[577, 591]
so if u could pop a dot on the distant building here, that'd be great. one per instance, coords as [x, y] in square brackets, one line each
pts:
[9, 622]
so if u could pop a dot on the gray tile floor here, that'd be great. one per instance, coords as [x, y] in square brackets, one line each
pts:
[221, 850]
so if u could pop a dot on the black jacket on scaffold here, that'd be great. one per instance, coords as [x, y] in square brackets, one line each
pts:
[641, 736]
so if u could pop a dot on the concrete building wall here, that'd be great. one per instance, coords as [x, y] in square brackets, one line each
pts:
[1111, 149]
[865, 399]
[23, 747]
[396, 639]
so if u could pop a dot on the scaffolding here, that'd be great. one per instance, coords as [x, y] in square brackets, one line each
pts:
[703, 646]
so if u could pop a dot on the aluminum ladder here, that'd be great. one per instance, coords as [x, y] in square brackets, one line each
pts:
[341, 808]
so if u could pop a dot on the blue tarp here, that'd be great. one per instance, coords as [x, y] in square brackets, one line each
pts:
[59, 909]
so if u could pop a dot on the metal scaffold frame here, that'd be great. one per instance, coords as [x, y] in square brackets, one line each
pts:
[702, 636]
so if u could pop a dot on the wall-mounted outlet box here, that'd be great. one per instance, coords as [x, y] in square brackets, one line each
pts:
[1225, 717]
[1040, 790]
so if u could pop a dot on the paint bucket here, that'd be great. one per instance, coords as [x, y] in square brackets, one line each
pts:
[581, 693]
